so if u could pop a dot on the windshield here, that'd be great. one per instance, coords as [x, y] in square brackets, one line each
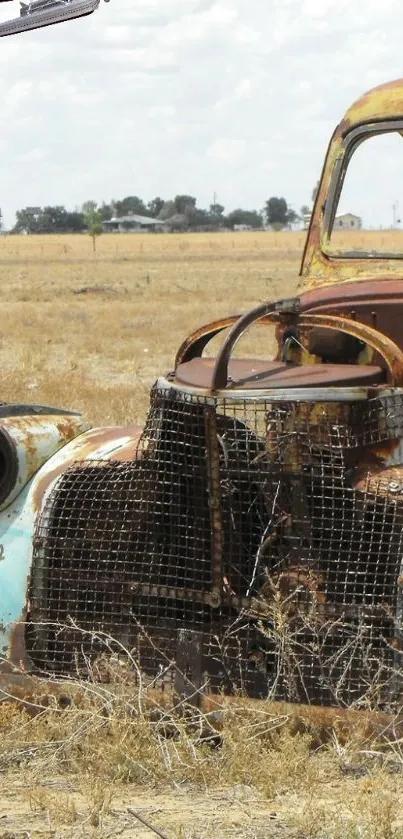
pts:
[367, 215]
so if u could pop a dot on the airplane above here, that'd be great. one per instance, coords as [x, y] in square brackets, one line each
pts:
[39, 13]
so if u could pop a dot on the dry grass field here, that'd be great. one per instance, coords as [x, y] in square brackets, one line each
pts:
[92, 332]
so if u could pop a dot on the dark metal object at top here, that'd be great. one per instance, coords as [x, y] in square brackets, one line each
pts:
[40, 13]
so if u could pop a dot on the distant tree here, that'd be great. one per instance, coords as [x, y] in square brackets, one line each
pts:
[198, 218]
[167, 211]
[279, 214]
[155, 206]
[215, 216]
[54, 219]
[216, 210]
[184, 203]
[178, 222]
[27, 220]
[1, 220]
[93, 221]
[315, 192]
[89, 207]
[292, 217]
[276, 212]
[48, 220]
[305, 211]
[182, 213]
[75, 222]
[106, 211]
[251, 218]
[130, 204]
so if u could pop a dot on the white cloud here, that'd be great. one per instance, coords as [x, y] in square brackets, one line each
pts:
[233, 96]
[226, 150]
[32, 155]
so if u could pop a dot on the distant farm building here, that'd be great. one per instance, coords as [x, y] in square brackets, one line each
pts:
[134, 224]
[347, 221]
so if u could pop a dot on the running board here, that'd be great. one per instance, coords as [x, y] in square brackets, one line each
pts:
[40, 13]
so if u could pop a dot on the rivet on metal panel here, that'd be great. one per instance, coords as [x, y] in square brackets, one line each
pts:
[395, 487]
[214, 599]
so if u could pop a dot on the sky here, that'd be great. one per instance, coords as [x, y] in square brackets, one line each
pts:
[236, 98]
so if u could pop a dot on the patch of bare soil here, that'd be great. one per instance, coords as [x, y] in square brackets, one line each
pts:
[57, 810]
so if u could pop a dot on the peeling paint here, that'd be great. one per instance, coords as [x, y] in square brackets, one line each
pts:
[17, 522]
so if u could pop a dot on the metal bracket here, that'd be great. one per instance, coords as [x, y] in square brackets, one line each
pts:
[39, 13]
[188, 673]
[288, 307]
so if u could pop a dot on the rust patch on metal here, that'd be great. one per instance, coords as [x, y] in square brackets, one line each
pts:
[377, 303]
[88, 445]
[253, 373]
[380, 480]
[380, 103]
[322, 722]
[196, 342]
[17, 657]
[381, 343]
[34, 695]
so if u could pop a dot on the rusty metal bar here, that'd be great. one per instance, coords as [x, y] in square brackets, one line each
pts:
[188, 671]
[220, 375]
[387, 348]
[214, 490]
[253, 605]
[195, 343]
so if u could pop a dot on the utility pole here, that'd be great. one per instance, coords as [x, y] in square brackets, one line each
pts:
[395, 211]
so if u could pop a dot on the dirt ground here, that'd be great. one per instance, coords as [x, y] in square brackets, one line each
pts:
[235, 812]
[347, 809]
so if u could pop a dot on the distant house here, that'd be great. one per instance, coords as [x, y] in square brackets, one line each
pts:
[134, 224]
[347, 221]
[306, 220]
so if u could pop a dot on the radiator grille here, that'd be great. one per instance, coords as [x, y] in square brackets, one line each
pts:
[255, 546]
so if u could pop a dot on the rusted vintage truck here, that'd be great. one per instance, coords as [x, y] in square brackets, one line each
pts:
[249, 539]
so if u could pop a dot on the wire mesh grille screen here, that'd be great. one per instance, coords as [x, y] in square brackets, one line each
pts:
[253, 547]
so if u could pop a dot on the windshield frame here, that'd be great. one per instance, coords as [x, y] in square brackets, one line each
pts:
[351, 142]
